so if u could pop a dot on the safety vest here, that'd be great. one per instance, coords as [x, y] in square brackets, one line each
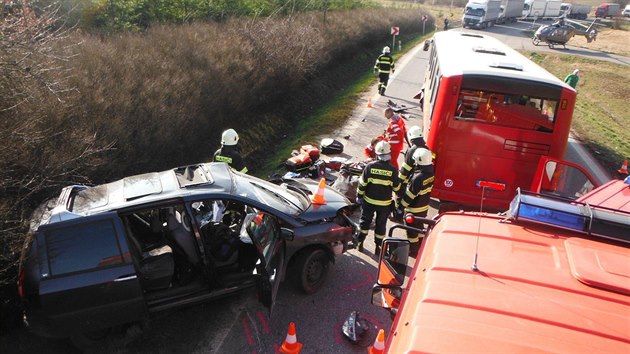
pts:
[384, 64]
[377, 183]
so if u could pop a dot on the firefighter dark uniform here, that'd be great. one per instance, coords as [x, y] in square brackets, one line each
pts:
[384, 66]
[232, 157]
[229, 153]
[376, 185]
[417, 195]
[417, 141]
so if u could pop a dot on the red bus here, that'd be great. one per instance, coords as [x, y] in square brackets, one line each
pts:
[489, 114]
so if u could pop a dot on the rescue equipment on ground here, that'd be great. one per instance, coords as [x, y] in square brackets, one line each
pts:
[290, 345]
[311, 150]
[355, 328]
[299, 162]
[331, 146]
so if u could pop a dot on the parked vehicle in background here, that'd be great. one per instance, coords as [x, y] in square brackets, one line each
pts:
[534, 9]
[489, 117]
[511, 11]
[481, 13]
[102, 257]
[552, 9]
[575, 11]
[549, 275]
[626, 11]
[541, 9]
[609, 9]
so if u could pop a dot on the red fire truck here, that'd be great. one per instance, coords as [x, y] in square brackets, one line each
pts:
[551, 274]
[489, 114]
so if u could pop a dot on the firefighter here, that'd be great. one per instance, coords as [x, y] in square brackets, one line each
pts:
[417, 195]
[414, 135]
[384, 65]
[395, 134]
[229, 152]
[377, 184]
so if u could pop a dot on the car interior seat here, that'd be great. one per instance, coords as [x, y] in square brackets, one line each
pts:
[156, 266]
[183, 239]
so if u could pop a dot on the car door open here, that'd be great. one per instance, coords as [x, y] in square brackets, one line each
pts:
[268, 237]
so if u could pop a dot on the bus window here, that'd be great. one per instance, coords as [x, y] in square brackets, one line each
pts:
[507, 110]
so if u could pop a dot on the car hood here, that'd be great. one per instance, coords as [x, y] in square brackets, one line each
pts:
[334, 202]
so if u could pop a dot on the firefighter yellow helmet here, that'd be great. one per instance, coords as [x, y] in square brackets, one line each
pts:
[229, 137]
[414, 132]
[385, 50]
[422, 157]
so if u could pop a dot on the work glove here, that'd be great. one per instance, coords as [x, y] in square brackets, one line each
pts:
[359, 201]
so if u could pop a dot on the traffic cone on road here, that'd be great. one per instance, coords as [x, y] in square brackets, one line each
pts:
[379, 343]
[318, 198]
[624, 168]
[290, 344]
[369, 105]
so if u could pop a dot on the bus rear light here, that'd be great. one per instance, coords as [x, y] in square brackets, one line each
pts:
[492, 185]
[563, 104]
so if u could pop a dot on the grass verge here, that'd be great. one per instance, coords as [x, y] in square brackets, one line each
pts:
[600, 119]
[328, 118]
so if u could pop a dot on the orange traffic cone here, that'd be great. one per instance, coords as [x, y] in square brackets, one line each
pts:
[369, 105]
[290, 344]
[379, 343]
[624, 168]
[318, 198]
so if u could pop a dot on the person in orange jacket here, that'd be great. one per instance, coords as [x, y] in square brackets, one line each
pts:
[395, 134]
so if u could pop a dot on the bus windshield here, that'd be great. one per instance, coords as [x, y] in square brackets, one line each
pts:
[509, 110]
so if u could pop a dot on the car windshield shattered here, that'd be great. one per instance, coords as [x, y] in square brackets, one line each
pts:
[280, 197]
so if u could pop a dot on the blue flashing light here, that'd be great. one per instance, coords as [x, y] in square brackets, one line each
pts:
[552, 217]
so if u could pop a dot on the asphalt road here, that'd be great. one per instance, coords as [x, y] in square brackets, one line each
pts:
[239, 324]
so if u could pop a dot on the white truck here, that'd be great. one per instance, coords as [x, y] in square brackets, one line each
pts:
[552, 9]
[541, 9]
[481, 13]
[576, 11]
[511, 10]
[534, 8]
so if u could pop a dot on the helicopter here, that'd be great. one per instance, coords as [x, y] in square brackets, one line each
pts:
[561, 31]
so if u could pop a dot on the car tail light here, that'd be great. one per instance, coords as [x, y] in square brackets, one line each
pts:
[21, 278]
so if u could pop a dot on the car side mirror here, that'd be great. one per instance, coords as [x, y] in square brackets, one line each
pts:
[286, 234]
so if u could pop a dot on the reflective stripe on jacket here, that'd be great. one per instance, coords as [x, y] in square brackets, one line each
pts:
[384, 64]
[377, 183]
[418, 194]
[231, 156]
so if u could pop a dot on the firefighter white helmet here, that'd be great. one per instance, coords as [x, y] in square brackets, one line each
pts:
[422, 157]
[382, 148]
[385, 50]
[414, 132]
[229, 137]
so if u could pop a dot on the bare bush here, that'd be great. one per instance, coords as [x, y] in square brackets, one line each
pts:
[41, 149]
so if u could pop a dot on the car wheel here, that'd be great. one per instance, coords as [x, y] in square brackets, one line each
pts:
[311, 270]
[87, 340]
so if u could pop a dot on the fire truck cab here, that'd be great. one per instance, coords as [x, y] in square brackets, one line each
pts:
[551, 274]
